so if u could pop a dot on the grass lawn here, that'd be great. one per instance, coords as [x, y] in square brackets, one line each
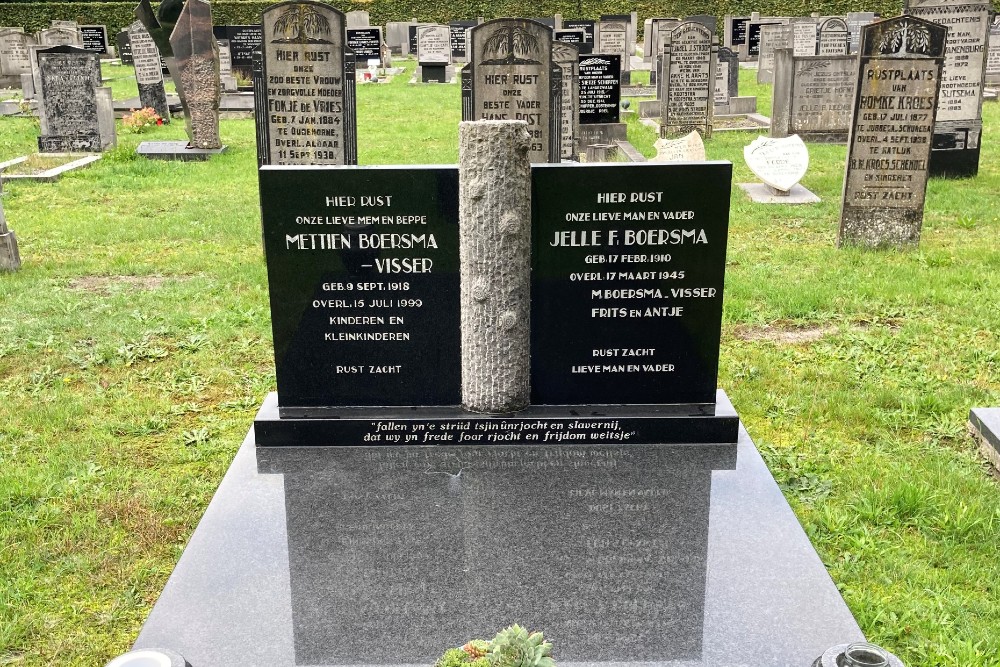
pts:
[135, 347]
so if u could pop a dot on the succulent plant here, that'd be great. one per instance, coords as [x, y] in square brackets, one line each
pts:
[516, 647]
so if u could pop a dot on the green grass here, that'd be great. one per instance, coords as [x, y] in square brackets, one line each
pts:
[135, 348]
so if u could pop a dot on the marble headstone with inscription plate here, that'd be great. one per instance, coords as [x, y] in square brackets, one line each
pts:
[308, 86]
[958, 128]
[511, 76]
[889, 147]
[434, 52]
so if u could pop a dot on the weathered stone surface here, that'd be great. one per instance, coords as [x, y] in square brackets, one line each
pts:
[148, 70]
[855, 22]
[804, 36]
[687, 75]
[779, 163]
[495, 252]
[59, 37]
[357, 19]
[317, 128]
[689, 148]
[70, 119]
[772, 38]
[833, 38]
[993, 53]
[812, 96]
[14, 60]
[727, 77]
[899, 67]
[197, 58]
[959, 126]
[567, 57]
[612, 39]
[511, 76]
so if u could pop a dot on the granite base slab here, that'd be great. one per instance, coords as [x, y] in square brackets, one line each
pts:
[761, 194]
[284, 426]
[984, 425]
[669, 556]
[175, 150]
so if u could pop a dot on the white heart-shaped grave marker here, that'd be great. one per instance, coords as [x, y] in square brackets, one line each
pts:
[780, 163]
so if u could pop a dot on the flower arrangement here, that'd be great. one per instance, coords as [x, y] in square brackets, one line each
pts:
[512, 647]
[137, 121]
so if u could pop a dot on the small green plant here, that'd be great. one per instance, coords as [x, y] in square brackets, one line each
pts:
[512, 647]
[137, 121]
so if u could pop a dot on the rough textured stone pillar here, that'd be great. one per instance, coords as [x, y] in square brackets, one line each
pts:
[495, 252]
[10, 260]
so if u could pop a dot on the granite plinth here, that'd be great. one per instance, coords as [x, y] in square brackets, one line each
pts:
[984, 424]
[175, 150]
[672, 556]
[290, 426]
[762, 194]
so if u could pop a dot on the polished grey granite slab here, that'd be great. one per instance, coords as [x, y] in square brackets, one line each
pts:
[655, 555]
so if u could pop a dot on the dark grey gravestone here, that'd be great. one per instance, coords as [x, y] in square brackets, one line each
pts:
[889, 148]
[752, 46]
[674, 556]
[772, 37]
[856, 21]
[70, 119]
[661, 35]
[197, 58]
[612, 40]
[411, 37]
[984, 423]
[365, 44]
[124, 47]
[958, 130]
[309, 75]
[727, 77]
[95, 38]
[575, 37]
[511, 76]
[459, 37]
[993, 54]
[833, 38]
[687, 81]
[707, 20]
[176, 150]
[148, 71]
[812, 96]
[567, 57]
[600, 90]
[244, 41]
[735, 30]
[589, 28]
[14, 59]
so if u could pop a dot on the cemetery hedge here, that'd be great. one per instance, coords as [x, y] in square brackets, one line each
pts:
[116, 15]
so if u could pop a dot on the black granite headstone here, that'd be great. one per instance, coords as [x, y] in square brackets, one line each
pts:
[588, 26]
[753, 38]
[459, 43]
[366, 43]
[411, 36]
[95, 38]
[600, 88]
[124, 47]
[738, 31]
[244, 41]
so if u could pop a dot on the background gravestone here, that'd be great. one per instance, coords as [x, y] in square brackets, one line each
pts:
[812, 96]
[365, 44]
[148, 72]
[688, 81]
[511, 76]
[71, 117]
[772, 38]
[735, 31]
[993, 55]
[95, 38]
[307, 86]
[856, 21]
[589, 28]
[459, 36]
[727, 78]
[613, 39]
[804, 36]
[124, 47]
[833, 38]
[889, 148]
[567, 57]
[244, 41]
[958, 129]
[752, 46]
[358, 19]
[600, 92]
[14, 60]
[197, 58]
[434, 52]
[59, 37]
